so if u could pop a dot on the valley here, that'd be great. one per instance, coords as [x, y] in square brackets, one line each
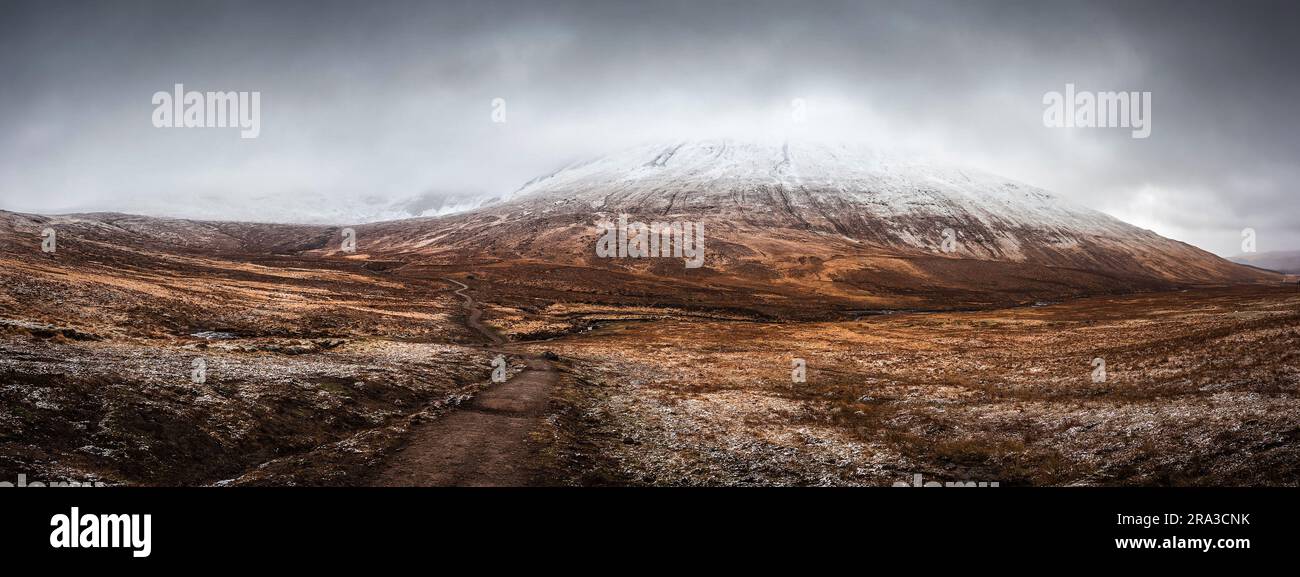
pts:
[335, 366]
[1041, 343]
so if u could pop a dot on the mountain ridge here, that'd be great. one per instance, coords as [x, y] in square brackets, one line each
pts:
[799, 227]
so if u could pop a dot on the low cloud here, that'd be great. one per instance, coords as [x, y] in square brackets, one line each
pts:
[386, 107]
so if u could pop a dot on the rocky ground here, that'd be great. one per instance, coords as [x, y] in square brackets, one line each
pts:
[319, 368]
[1202, 388]
[130, 412]
[313, 369]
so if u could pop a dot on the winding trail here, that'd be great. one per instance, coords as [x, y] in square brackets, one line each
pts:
[486, 441]
[474, 315]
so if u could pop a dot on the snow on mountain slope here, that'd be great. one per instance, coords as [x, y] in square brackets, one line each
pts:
[819, 183]
[799, 227]
[167, 234]
[865, 195]
[799, 219]
[304, 207]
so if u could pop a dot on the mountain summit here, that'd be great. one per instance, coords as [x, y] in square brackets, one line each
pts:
[808, 225]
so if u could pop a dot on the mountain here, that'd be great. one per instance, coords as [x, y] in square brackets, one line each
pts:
[790, 229]
[805, 227]
[116, 232]
[301, 207]
[321, 365]
[1284, 261]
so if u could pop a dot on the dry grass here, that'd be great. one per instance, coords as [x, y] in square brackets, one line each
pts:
[1201, 388]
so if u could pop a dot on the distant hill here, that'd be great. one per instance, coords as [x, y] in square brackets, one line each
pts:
[1284, 261]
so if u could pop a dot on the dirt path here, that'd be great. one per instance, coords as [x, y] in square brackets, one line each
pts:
[485, 442]
[474, 314]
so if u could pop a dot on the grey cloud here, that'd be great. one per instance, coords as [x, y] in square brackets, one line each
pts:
[389, 100]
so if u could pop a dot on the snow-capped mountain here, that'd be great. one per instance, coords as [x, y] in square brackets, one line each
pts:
[858, 192]
[858, 219]
[789, 228]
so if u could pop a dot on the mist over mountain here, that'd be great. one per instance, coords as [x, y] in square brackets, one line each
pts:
[826, 225]
[306, 207]
[1284, 261]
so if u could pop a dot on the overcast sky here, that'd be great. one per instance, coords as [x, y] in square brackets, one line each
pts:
[373, 106]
